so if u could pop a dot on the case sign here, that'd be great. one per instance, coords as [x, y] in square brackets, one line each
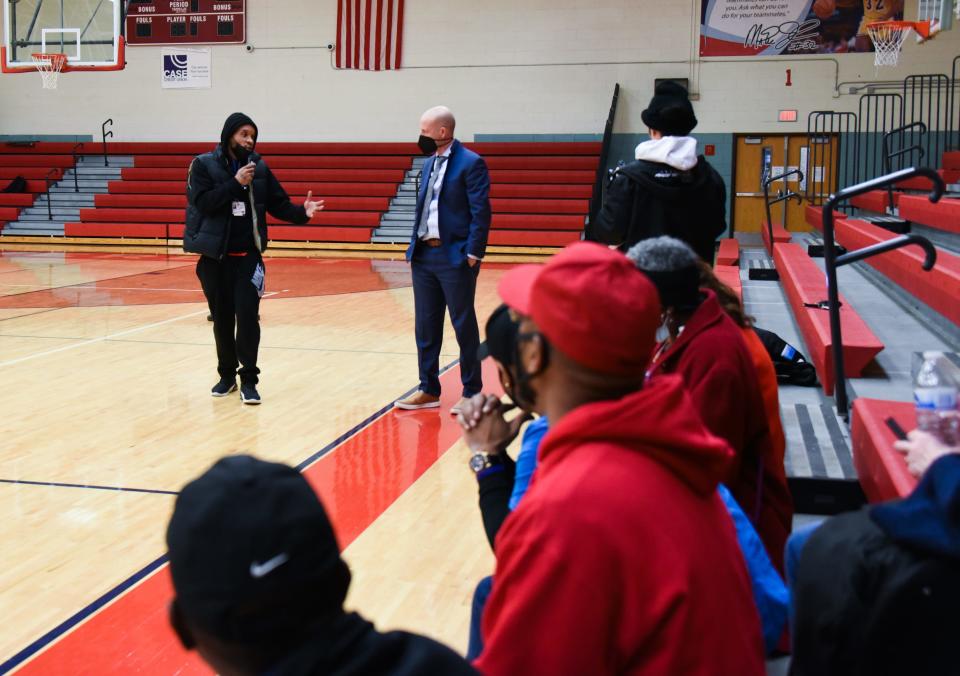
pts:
[186, 22]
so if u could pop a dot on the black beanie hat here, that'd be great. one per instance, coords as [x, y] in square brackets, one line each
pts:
[253, 555]
[502, 333]
[670, 111]
[234, 122]
[679, 289]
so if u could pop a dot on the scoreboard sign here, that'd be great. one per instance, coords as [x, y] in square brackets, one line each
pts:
[186, 22]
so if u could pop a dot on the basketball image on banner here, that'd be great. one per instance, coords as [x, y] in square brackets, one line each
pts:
[796, 27]
[369, 34]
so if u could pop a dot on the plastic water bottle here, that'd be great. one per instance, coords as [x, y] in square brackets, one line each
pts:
[935, 396]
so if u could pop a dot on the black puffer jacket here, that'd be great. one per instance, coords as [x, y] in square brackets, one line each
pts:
[648, 199]
[877, 591]
[211, 190]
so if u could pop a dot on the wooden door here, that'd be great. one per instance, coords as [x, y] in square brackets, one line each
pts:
[756, 155]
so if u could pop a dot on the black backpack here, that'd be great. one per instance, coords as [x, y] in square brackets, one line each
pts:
[792, 367]
[19, 184]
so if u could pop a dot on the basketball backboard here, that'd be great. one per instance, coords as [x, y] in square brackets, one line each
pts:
[86, 31]
[938, 12]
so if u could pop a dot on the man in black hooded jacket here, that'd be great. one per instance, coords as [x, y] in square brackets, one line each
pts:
[229, 192]
[668, 189]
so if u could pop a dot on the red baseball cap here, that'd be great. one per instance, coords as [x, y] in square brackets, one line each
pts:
[592, 303]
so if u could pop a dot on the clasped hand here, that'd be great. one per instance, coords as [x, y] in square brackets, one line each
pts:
[484, 426]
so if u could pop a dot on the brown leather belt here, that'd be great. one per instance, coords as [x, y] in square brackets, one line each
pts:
[432, 243]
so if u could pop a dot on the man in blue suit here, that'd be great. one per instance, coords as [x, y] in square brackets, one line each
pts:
[448, 243]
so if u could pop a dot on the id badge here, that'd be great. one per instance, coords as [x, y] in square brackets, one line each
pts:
[239, 208]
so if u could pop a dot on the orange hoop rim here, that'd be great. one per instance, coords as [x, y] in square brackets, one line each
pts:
[922, 27]
[54, 58]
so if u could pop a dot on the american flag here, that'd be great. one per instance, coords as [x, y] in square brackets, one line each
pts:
[369, 34]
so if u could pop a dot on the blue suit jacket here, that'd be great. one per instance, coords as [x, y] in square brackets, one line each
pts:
[464, 206]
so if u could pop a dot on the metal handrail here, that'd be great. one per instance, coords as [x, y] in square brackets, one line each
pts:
[76, 168]
[105, 133]
[597, 195]
[781, 197]
[46, 179]
[887, 155]
[833, 262]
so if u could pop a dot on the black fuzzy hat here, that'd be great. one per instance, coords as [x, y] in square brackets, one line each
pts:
[670, 111]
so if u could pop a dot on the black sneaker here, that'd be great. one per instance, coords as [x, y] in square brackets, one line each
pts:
[224, 387]
[249, 394]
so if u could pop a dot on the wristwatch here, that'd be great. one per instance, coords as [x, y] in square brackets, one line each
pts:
[480, 461]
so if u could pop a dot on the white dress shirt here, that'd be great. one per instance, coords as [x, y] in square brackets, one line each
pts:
[433, 216]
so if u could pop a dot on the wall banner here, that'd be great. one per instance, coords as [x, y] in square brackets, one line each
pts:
[797, 27]
[185, 68]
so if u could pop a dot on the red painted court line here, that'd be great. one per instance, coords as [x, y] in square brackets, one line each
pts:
[358, 481]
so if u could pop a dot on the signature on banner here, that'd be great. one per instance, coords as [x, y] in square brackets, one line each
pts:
[789, 36]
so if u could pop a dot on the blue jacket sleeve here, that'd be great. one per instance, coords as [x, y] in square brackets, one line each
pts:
[769, 591]
[478, 193]
[527, 459]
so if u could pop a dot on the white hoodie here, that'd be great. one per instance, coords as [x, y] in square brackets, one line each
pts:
[679, 152]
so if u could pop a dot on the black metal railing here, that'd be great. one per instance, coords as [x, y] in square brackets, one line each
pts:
[926, 98]
[878, 114]
[833, 261]
[597, 196]
[105, 134]
[781, 197]
[954, 108]
[47, 179]
[76, 168]
[834, 146]
[915, 130]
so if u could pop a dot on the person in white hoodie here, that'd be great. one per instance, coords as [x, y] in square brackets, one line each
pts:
[668, 189]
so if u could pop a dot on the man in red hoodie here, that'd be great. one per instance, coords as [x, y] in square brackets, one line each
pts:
[621, 557]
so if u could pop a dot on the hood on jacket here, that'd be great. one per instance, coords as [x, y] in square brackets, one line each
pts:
[679, 152]
[929, 518]
[234, 122]
[659, 421]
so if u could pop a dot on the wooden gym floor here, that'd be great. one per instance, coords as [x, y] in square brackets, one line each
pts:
[106, 362]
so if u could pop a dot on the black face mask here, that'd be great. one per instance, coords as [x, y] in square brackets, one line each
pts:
[242, 154]
[427, 145]
[521, 392]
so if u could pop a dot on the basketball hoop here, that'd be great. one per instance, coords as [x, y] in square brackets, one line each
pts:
[49, 67]
[888, 38]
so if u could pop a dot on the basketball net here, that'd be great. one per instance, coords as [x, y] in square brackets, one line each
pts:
[888, 38]
[49, 67]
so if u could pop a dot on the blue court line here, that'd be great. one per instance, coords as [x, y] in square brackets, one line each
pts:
[80, 616]
[56, 484]
[84, 613]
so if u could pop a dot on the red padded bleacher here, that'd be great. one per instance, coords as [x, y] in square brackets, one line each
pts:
[15, 199]
[780, 235]
[320, 189]
[304, 233]
[124, 201]
[283, 175]
[944, 215]
[551, 192]
[814, 216]
[881, 470]
[47, 161]
[730, 275]
[921, 183]
[875, 201]
[541, 238]
[804, 283]
[728, 253]
[939, 288]
[38, 173]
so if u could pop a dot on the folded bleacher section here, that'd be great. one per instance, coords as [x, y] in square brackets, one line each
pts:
[540, 192]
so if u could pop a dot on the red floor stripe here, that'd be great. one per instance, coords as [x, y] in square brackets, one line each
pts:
[358, 480]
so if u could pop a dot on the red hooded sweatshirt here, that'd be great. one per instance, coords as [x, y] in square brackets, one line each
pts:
[621, 558]
[718, 370]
